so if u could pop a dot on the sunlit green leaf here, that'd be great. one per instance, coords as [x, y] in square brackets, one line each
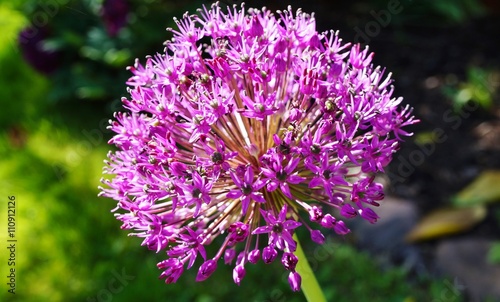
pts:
[11, 22]
[117, 58]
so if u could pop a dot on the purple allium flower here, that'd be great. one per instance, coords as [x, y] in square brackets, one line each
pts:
[279, 229]
[247, 190]
[248, 123]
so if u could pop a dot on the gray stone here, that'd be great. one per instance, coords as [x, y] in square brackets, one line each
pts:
[465, 261]
[386, 238]
[397, 217]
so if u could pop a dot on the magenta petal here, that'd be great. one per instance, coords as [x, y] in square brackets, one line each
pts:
[249, 176]
[286, 190]
[291, 224]
[295, 281]
[328, 221]
[262, 230]
[271, 186]
[206, 269]
[269, 254]
[244, 204]
[317, 237]
[290, 243]
[369, 214]
[229, 255]
[258, 197]
[233, 194]
[268, 217]
[236, 179]
[197, 180]
[276, 139]
[295, 179]
[340, 228]
[292, 164]
[253, 256]
[282, 215]
[289, 261]
[238, 274]
[202, 252]
[316, 182]
[348, 211]
[225, 166]
[178, 169]
[268, 172]
[259, 184]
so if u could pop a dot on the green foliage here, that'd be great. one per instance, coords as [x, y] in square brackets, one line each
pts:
[431, 12]
[494, 253]
[11, 21]
[22, 87]
[456, 11]
[480, 87]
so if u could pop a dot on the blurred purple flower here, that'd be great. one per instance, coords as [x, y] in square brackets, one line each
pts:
[31, 43]
[114, 14]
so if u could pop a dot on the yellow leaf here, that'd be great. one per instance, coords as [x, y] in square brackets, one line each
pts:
[484, 189]
[428, 137]
[446, 221]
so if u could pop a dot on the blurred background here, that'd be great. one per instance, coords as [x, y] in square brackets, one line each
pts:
[62, 74]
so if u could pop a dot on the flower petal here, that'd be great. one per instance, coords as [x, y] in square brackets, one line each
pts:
[262, 230]
[271, 186]
[258, 197]
[295, 179]
[233, 194]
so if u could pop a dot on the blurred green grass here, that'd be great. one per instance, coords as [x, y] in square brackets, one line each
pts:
[70, 247]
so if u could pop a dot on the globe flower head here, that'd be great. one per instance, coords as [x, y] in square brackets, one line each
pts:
[249, 126]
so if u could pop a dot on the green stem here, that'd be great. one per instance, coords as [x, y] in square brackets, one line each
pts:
[310, 285]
